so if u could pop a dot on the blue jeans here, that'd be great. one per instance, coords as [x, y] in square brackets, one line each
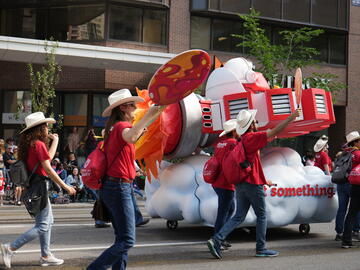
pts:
[118, 199]
[343, 191]
[138, 216]
[247, 194]
[354, 209]
[226, 206]
[42, 229]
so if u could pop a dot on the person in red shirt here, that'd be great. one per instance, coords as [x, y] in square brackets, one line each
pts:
[34, 151]
[322, 159]
[223, 189]
[251, 191]
[353, 142]
[116, 191]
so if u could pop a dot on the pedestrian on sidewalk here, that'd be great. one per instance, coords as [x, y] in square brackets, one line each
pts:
[34, 150]
[116, 191]
[251, 191]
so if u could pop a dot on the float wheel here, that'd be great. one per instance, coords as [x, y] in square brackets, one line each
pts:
[172, 224]
[304, 229]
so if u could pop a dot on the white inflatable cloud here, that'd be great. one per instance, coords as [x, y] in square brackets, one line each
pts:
[302, 194]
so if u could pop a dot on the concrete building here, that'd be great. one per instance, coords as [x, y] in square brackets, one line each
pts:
[106, 45]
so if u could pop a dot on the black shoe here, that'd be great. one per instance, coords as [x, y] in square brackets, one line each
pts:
[102, 225]
[348, 245]
[145, 221]
[338, 237]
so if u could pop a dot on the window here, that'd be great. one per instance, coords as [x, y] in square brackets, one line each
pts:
[199, 4]
[337, 49]
[75, 109]
[242, 6]
[200, 33]
[16, 102]
[324, 12]
[296, 10]
[100, 102]
[321, 44]
[268, 8]
[136, 24]
[61, 23]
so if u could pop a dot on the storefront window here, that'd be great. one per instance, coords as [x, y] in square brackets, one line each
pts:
[200, 33]
[100, 102]
[17, 104]
[75, 109]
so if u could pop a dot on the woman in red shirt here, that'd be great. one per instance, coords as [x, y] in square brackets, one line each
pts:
[322, 159]
[116, 191]
[34, 151]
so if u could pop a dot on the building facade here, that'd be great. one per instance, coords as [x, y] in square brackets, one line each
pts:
[161, 28]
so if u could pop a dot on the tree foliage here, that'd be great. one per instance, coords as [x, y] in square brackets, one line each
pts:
[43, 82]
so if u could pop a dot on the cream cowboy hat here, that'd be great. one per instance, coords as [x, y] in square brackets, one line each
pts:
[229, 126]
[352, 136]
[320, 144]
[35, 119]
[119, 97]
[244, 120]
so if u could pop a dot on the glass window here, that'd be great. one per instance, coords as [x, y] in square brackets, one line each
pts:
[222, 30]
[75, 109]
[321, 44]
[337, 49]
[125, 23]
[16, 104]
[342, 10]
[200, 32]
[268, 8]
[154, 26]
[296, 10]
[199, 4]
[324, 12]
[242, 6]
[100, 102]
[214, 4]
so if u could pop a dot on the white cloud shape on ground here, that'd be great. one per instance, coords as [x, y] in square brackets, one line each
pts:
[304, 194]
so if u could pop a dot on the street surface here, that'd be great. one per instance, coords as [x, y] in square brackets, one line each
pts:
[76, 240]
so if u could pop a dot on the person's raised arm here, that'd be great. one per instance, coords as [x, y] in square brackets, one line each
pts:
[55, 141]
[54, 177]
[281, 126]
[131, 135]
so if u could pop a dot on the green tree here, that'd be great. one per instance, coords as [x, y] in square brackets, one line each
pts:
[43, 82]
[274, 59]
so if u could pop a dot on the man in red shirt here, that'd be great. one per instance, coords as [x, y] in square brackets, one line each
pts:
[251, 191]
[322, 159]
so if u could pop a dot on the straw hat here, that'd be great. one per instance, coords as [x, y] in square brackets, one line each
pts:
[229, 126]
[320, 144]
[35, 119]
[244, 120]
[119, 97]
[352, 136]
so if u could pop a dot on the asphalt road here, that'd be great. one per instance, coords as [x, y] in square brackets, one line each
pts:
[76, 240]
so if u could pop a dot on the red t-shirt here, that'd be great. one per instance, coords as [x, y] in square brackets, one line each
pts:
[355, 156]
[222, 148]
[120, 165]
[322, 158]
[37, 153]
[253, 142]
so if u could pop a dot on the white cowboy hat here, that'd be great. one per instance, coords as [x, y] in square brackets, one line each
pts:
[229, 126]
[119, 97]
[244, 120]
[320, 144]
[352, 136]
[35, 119]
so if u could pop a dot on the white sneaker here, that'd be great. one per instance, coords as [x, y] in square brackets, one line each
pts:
[6, 254]
[50, 260]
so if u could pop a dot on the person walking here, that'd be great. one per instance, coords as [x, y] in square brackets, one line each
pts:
[224, 190]
[353, 142]
[34, 151]
[251, 191]
[116, 191]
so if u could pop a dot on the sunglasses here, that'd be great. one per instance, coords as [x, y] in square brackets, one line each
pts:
[132, 104]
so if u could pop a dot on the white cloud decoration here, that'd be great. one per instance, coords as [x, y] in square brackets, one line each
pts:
[304, 194]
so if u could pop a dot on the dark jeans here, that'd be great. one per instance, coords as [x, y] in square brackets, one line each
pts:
[352, 212]
[118, 199]
[343, 191]
[226, 206]
[138, 216]
[247, 195]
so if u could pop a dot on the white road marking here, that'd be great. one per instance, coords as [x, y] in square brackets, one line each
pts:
[105, 247]
[54, 225]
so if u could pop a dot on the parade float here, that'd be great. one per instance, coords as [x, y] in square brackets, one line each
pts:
[302, 195]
